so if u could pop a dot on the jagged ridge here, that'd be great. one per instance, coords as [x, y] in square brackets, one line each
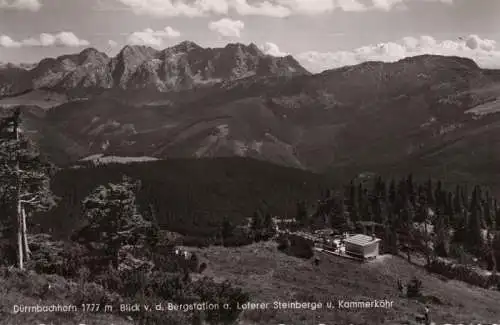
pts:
[179, 67]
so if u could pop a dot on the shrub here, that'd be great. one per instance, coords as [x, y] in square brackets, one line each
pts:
[414, 288]
[191, 241]
[203, 267]
[296, 246]
[92, 293]
[220, 293]
[193, 263]
[238, 241]
[56, 257]
[459, 272]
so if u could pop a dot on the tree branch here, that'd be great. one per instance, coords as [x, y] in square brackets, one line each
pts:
[35, 199]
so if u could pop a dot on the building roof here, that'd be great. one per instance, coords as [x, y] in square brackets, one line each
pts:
[361, 240]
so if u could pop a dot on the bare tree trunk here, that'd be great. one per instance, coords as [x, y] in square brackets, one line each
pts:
[18, 203]
[26, 247]
[426, 239]
[410, 242]
[20, 237]
[493, 254]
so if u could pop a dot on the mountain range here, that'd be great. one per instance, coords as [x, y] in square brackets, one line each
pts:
[182, 66]
[429, 114]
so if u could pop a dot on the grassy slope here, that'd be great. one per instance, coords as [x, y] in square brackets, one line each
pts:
[270, 275]
[24, 289]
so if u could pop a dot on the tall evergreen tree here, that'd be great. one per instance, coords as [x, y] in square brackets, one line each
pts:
[25, 186]
[353, 201]
[268, 225]
[392, 192]
[408, 216]
[429, 192]
[227, 229]
[301, 214]
[114, 220]
[475, 227]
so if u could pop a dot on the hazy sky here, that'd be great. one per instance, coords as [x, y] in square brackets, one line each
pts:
[320, 33]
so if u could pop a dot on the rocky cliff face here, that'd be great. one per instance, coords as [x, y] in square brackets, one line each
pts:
[180, 67]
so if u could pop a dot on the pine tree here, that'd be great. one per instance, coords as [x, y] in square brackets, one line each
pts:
[257, 223]
[376, 208]
[490, 220]
[227, 229]
[441, 245]
[411, 190]
[392, 193]
[475, 227]
[113, 219]
[268, 225]
[301, 213]
[25, 186]
[353, 201]
[408, 218]
[429, 193]
[393, 226]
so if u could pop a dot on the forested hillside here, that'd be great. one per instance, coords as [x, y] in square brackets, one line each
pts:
[189, 196]
[414, 217]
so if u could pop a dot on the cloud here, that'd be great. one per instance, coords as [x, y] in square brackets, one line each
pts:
[62, 39]
[272, 49]
[171, 8]
[387, 5]
[265, 8]
[227, 27]
[6, 41]
[30, 5]
[483, 51]
[112, 43]
[271, 8]
[352, 5]
[153, 38]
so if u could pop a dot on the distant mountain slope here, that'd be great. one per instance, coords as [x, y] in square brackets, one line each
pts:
[426, 113]
[182, 66]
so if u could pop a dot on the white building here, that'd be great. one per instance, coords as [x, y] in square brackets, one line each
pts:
[362, 246]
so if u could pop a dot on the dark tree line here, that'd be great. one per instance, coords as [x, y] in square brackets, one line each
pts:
[189, 196]
[417, 216]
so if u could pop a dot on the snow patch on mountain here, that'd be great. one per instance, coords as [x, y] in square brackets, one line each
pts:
[485, 109]
[213, 141]
[100, 159]
[429, 122]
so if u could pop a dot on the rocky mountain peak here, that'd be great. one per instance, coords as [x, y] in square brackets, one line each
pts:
[250, 49]
[136, 51]
[185, 46]
[92, 52]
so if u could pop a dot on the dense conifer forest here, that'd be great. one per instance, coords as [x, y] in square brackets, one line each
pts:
[189, 196]
[418, 217]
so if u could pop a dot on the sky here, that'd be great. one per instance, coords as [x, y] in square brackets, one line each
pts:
[320, 34]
